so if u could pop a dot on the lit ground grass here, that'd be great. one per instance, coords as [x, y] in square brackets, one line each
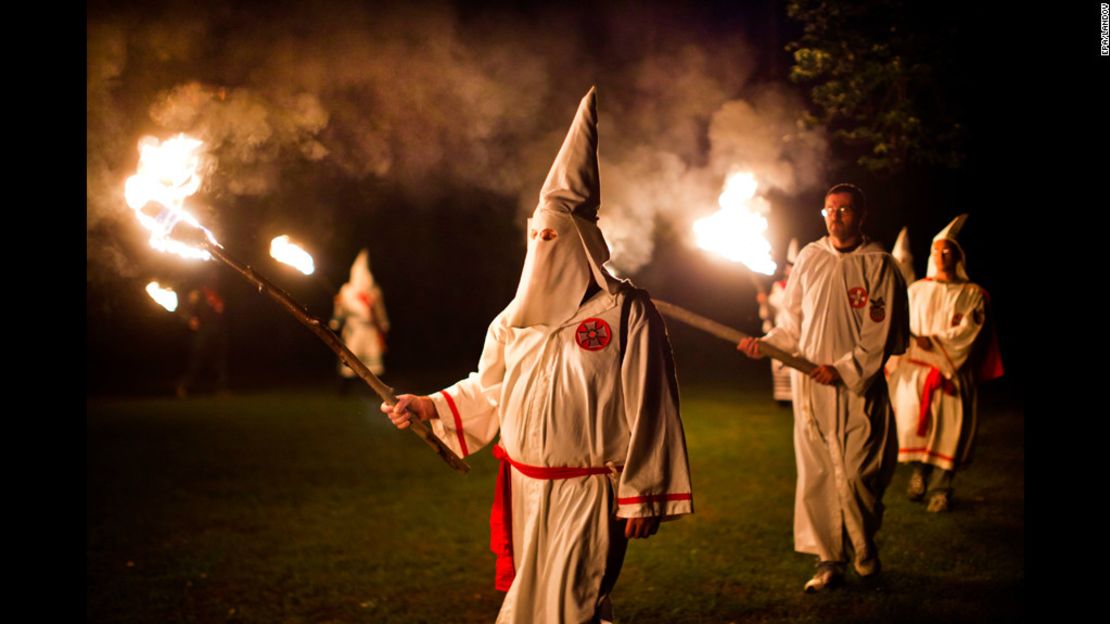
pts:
[302, 507]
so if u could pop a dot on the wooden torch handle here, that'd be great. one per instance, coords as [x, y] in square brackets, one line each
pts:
[333, 342]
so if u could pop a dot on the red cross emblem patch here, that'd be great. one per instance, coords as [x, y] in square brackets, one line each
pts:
[857, 297]
[593, 334]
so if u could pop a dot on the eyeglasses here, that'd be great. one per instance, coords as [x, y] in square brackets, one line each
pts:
[841, 211]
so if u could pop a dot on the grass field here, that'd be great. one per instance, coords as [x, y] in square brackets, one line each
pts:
[302, 506]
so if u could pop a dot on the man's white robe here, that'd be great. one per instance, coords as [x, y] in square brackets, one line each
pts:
[847, 310]
[557, 403]
[952, 315]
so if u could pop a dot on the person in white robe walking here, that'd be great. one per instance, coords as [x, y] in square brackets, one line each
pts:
[577, 376]
[933, 386]
[360, 313]
[845, 310]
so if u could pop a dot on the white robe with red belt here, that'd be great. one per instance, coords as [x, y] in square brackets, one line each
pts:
[364, 326]
[847, 310]
[933, 390]
[562, 397]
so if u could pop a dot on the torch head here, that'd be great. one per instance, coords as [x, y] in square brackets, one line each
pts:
[169, 172]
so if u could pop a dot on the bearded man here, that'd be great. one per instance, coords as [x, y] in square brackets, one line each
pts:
[845, 310]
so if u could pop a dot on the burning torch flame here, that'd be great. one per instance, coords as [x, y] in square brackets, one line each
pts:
[736, 231]
[168, 174]
[164, 297]
[292, 254]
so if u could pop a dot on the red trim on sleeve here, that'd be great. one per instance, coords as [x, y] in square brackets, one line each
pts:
[458, 422]
[653, 498]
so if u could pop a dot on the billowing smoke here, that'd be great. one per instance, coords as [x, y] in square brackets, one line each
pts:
[247, 130]
[435, 98]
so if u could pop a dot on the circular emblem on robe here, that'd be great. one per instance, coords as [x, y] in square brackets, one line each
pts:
[593, 334]
[857, 297]
[878, 310]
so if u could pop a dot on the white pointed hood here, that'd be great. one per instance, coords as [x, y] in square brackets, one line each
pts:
[360, 282]
[949, 233]
[557, 272]
[903, 256]
[361, 277]
[792, 251]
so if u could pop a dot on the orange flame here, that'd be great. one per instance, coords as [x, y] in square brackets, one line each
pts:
[736, 231]
[287, 252]
[168, 173]
[163, 296]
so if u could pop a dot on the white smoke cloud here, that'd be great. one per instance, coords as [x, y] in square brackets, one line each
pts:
[432, 100]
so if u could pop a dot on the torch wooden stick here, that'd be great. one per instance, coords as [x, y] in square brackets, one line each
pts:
[734, 336]
[335, 344]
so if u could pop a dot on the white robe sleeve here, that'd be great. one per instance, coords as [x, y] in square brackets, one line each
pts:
[656, 476]
[468, 416]
[952, 347]
[879, 339]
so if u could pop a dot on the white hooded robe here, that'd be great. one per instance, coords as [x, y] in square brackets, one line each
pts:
[360, 306]
[552, 381]
[953, 316]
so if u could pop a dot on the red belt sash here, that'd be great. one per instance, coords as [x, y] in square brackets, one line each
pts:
[501, 516]
[933, 381]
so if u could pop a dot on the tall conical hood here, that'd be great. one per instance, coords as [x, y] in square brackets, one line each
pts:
[949, 233]
[353, 294]
[573, 184]
[792, 251]
[361, 278]
[903, 256]
[557, 272]
[952, 230]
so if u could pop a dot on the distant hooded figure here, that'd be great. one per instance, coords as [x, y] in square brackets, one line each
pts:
[577, 376]
[360, 311]
[933, 386]
[203, 311]
[771, 309]
[903, 256]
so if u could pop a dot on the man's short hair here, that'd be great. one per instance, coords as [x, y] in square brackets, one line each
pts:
[858, 200]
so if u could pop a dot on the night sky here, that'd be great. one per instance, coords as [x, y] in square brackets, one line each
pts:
[423, 132]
